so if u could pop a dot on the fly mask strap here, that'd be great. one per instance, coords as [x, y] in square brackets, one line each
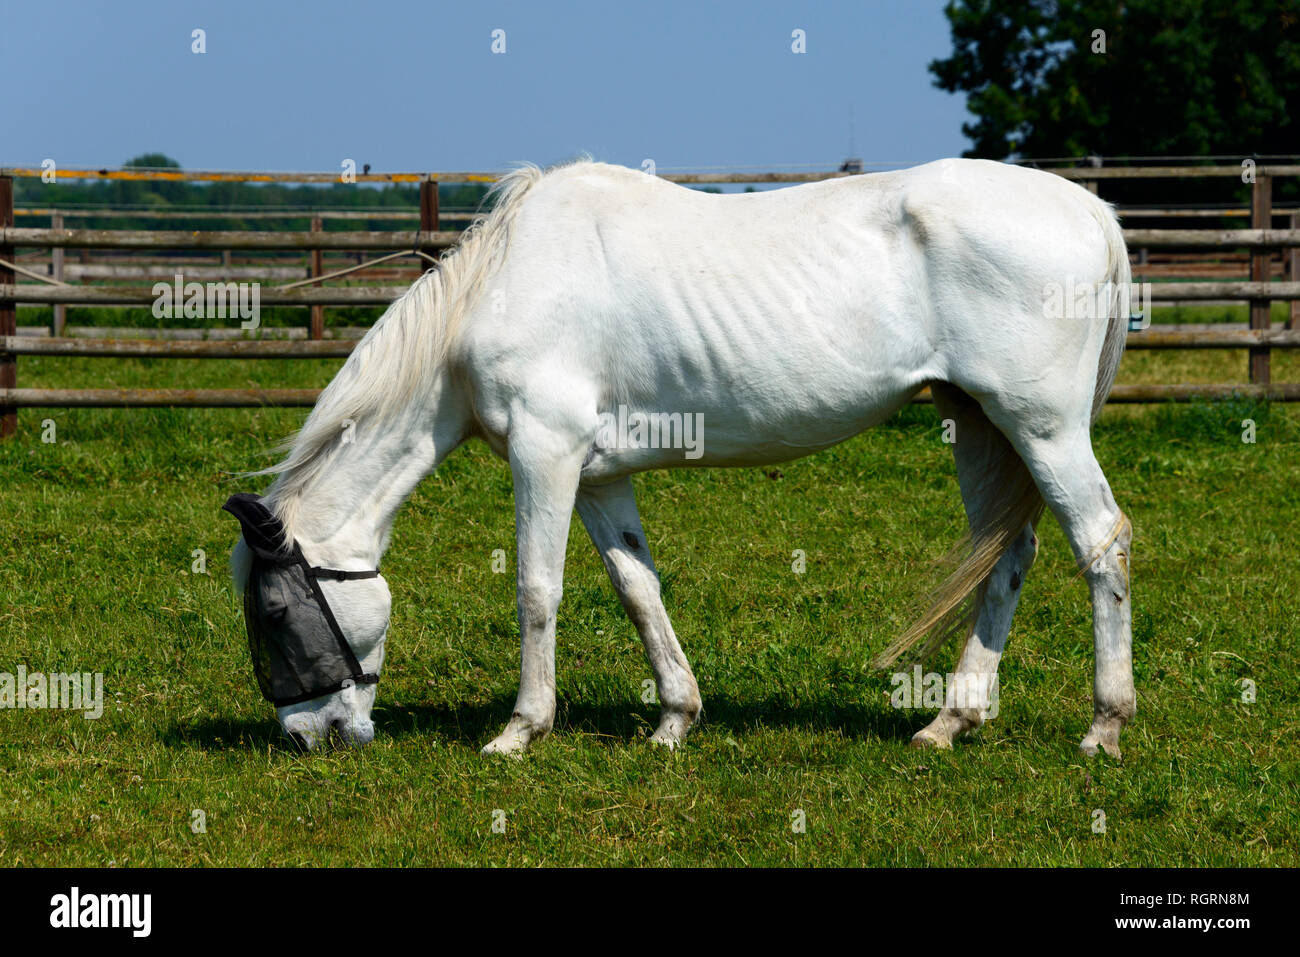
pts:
[314, 573]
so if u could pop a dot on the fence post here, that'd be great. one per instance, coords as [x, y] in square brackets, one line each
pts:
[428, 209]
[8, 312]
[1294, 255]
[56, 255]
[317, 267]
[1090, 185]
[1261, 217]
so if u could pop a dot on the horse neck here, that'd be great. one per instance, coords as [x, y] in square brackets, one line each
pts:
[343, 515]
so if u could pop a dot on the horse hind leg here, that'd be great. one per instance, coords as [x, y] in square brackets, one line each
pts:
[972, 696]
[1114, 695]
[610, 515]
[982, 455]
[1071, 481]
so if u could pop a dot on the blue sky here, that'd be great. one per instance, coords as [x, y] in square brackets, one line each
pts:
[415, 85]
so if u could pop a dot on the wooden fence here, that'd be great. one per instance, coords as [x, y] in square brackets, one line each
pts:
[1258, 243]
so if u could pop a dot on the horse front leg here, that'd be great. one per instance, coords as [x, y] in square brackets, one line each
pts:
[545, 463]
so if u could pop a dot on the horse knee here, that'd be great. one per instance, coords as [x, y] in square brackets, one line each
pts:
[537, 604]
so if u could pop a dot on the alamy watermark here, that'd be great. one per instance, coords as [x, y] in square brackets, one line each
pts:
[935, 690]
[624, 429]
[77, 691]
[75, 909]
[213, 300]
[1091, 300]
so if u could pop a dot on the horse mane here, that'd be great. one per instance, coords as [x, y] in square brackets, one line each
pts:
[403, 351]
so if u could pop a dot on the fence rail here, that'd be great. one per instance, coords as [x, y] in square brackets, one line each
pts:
[179, 349]
[407, 215]
[206, 212]
[389, 240]
[268, 295]
[383, 295]
[1153, 338]
[156, 398]
[1255, 246]
[386, 240]
[1219, 239]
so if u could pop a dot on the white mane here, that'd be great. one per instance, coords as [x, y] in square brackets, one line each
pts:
[404, 349]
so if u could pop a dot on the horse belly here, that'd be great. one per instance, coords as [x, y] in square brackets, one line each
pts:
[776, 396]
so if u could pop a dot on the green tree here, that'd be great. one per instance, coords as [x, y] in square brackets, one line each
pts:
[152, 161]
[127, 192]
[1163, 77]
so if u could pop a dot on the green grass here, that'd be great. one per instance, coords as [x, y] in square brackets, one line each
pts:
[98, 529]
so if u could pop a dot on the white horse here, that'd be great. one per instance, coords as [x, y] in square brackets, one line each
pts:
[785, 322]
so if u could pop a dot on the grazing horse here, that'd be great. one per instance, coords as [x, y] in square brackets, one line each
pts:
[595, 301]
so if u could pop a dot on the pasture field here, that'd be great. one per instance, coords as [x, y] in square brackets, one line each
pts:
[98, 530]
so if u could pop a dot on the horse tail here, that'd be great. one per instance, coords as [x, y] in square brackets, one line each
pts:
[1119, 274]
[1013, 500]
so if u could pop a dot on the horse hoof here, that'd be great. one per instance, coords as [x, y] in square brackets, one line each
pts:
[926, 740]
[1103, 734]
[1091, 743]
[662, 740]
[512, 746]
[673, 728]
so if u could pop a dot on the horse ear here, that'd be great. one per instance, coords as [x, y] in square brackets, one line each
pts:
[264, 533]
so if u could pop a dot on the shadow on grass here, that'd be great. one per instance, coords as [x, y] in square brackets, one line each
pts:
[226, 734]
[475, 725]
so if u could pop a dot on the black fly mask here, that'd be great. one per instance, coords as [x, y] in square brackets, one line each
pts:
[299, 651]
